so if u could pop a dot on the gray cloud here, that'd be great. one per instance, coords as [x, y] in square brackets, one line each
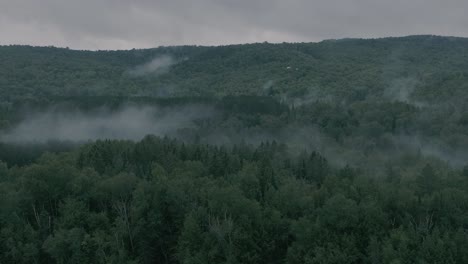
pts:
[124, 24]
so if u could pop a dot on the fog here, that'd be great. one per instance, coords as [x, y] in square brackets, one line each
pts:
[133, 122]
[158, 65]
[129, 122]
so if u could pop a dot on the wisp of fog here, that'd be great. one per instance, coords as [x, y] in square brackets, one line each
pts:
[130, 122]
[158, 65]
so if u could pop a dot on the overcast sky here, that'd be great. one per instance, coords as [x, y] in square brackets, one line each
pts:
[126, 24]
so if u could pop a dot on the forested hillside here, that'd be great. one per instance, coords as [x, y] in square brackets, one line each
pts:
[342, 151]
[434, 68]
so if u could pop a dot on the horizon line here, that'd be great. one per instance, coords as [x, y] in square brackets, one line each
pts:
[235, 44]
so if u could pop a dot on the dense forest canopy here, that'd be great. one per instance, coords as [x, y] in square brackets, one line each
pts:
[434, 68]
[342, 151]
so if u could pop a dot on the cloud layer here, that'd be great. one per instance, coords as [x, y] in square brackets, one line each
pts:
[124, 24]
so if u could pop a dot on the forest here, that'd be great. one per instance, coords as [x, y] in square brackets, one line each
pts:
[341, 151]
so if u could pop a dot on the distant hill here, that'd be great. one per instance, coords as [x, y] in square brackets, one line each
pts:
[410, 69]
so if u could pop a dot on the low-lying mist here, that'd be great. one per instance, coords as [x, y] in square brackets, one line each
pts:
[130, 122]
[184, 122]
[157, 65]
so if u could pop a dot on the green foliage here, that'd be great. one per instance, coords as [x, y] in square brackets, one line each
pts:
[382, 181]
[352, 69]
[207, 204]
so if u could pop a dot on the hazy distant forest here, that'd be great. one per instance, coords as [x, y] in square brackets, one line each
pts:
[342, 151]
